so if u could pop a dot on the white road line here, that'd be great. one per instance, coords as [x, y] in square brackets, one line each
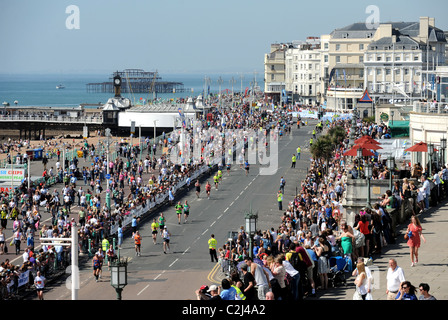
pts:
[212, 223]
[173, 263]
[144, 288]
[205, 232]
[226, 209]
[219, 217]
[186, 250]
[232, 203]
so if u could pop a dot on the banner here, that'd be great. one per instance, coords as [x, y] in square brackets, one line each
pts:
[17, 174]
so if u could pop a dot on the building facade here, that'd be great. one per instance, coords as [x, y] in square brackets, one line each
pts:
[399, 60]
[302, 76]
[274, 72]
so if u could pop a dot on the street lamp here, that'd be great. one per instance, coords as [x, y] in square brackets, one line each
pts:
[119, 276]
[368, 173]
[443, 147]
[251, 228]
[431, 152]
[392, 117]
[359, 156]
[390, 164]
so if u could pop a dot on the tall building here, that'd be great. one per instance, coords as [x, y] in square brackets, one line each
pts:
[274, 72]
[399, 60]
[346, 47]
[302, 71]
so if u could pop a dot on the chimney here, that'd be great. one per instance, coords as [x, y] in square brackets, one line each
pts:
[424, 28]
[432, 22]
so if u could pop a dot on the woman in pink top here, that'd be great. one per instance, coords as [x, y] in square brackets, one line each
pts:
[414, 239]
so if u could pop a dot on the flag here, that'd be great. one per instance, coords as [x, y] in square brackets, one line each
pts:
[331, 75]
[424, 86]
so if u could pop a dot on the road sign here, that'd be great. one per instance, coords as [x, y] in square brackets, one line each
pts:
[108, 176]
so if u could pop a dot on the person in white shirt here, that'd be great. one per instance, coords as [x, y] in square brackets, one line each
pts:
[427, 191]
[39, 283]
[395, 277]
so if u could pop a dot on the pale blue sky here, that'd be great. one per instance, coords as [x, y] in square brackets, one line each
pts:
[176, 36]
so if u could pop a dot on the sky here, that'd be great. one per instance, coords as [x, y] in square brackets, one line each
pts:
[175, 36]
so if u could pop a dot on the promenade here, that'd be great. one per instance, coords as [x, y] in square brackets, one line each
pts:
[432, 266]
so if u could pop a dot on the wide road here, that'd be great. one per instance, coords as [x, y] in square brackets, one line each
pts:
[176, 275]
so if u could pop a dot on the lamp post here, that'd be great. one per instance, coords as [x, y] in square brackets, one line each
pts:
[431, 152]
[359, 156]
[443, 147]
[392, 117]
[251, 228]
[119, 276]
[368, 172]
[390, 164]
[108, 134]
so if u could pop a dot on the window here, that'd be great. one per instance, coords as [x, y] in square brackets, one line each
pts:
[378, 58]
[326, 45]
[388, 59]
[378, 72]
[310, 66]
[387, 72]
[397, 58]
[361, 59]
[338, 59]
[326, 58]
[272, 68]
[310, 77]
[338, 47]
[416, 58]
[361, 46]
[406, 71]
[272, 77]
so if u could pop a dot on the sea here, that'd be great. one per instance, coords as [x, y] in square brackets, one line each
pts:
[40, 89]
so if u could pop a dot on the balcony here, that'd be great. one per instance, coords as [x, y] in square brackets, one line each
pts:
[431, 107]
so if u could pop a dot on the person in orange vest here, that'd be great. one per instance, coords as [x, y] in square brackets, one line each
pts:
[137, 242]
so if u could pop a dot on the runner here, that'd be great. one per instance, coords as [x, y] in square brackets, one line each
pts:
[246, 167]
[228, 169]
[216, 180]
[39, 284]
[198, 188]
[96, 266]
[186, 211]
[166, 240]
[138, 242]
[178, 208]
[161, 223]
[208, 187]
[154, 230]
[111, 256]
[220, 174]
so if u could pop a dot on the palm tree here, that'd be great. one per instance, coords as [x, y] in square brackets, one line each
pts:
[337, 134]
[322, 149]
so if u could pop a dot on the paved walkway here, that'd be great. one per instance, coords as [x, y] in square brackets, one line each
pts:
[433, 259]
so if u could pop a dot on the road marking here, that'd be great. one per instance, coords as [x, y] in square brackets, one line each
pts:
[173, 263]
[219, 217]
[226, 209]
[144, 288]
[205, 232]
[232, 203]
[213, 223]
[186, 250]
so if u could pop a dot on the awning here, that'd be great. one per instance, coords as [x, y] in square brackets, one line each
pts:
[399, 128]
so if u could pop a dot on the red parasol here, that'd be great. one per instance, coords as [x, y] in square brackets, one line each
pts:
[369, 146]
[368, 139]
[353, 152]
[419, 147]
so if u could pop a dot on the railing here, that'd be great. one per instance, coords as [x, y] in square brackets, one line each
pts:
[430, 107]
[59, 119]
